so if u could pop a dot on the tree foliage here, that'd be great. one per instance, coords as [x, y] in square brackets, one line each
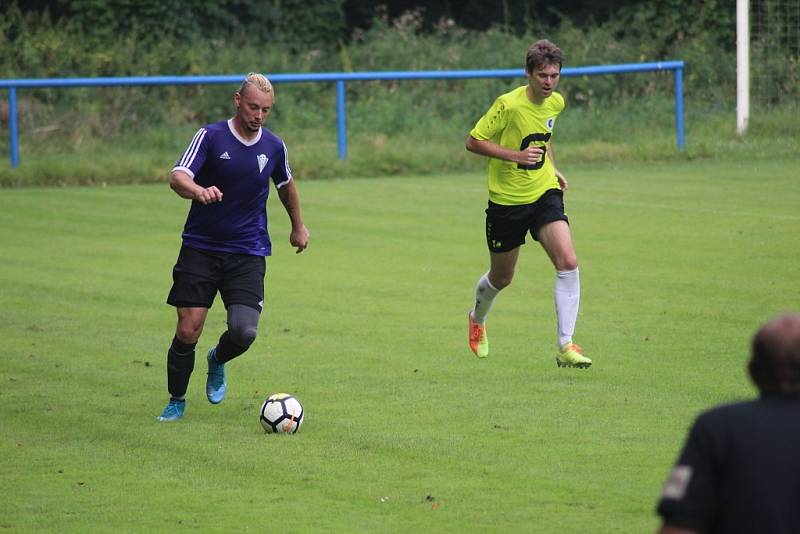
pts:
[315, 22]
[68, 38]
[292, 21]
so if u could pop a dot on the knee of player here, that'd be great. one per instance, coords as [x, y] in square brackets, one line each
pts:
[568, 263]
[244, 335]
[501, 281]
[188, 332]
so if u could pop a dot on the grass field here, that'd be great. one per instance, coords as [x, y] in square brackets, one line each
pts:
[405, 430]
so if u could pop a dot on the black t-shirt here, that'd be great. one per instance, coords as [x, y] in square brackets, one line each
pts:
[739, 470]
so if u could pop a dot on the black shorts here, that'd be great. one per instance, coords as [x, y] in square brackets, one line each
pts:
[506, 226]
[199, 274]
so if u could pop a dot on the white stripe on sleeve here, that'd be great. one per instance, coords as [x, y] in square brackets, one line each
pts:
[194, 146]
[286, 167]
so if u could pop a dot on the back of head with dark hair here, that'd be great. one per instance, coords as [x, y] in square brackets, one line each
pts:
[775, 361]
[543, 53]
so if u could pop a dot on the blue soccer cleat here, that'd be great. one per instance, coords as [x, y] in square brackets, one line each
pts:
[215, 382]
[173, 411]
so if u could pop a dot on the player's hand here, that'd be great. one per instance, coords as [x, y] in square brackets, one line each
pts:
[208, 195]
[299, 238]
[562, 181]
[530, 155]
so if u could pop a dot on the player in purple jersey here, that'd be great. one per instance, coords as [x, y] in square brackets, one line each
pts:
[225, 172]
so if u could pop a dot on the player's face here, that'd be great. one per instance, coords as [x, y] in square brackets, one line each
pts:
[544, 79]
[252, 107]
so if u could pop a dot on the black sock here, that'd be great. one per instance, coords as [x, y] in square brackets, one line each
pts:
[180, 364]
[227, 349]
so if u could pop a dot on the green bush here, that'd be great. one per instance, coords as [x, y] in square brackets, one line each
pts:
[386, 121]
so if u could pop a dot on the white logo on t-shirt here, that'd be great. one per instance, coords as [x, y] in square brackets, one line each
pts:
[677, 483]
[225, 155]
[262, 162]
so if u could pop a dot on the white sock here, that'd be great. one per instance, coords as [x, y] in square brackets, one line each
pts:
[485, 293]
[568, 299]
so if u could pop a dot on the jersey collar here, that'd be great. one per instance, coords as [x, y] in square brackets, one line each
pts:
[241, 139]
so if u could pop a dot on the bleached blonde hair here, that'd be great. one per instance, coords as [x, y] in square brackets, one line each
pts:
[259, 81]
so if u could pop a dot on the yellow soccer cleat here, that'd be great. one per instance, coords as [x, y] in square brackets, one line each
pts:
[571, 355]
[478, 341]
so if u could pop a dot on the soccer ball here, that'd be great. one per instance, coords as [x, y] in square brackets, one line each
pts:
[281, 412]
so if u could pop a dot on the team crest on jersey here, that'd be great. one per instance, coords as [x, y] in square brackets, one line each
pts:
[550, 123]
[262, 162]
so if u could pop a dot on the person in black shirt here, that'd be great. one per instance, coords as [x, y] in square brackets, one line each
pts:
[740, 467]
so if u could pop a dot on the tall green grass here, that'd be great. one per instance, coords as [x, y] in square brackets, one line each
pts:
[639, 131]
[406, 431]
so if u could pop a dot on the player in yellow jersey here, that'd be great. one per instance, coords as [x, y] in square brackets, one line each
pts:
[526, 195]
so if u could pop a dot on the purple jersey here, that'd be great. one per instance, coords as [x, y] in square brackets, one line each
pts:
[240, 169]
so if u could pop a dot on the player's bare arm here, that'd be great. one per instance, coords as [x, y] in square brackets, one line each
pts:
[291, 202]
[562, 180]
[490, 149]
[185, 187]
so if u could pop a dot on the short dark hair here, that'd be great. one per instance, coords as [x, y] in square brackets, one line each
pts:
[775, 362]
[543, 53]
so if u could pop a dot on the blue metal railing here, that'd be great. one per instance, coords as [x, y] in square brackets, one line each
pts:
[339, 78]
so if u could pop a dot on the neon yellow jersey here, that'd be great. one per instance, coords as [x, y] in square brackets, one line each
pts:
[515, 122]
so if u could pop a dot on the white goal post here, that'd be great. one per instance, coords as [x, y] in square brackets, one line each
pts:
[742, 65]
[767, 42]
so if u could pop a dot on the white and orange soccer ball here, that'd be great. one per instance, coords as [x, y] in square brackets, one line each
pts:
[281, 413]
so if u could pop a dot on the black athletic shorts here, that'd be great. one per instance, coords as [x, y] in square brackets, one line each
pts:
[199, 274]
[506, 226]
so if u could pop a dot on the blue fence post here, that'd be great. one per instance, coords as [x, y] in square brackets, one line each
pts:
[340, 119]
[679, 108]
[12, 126]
